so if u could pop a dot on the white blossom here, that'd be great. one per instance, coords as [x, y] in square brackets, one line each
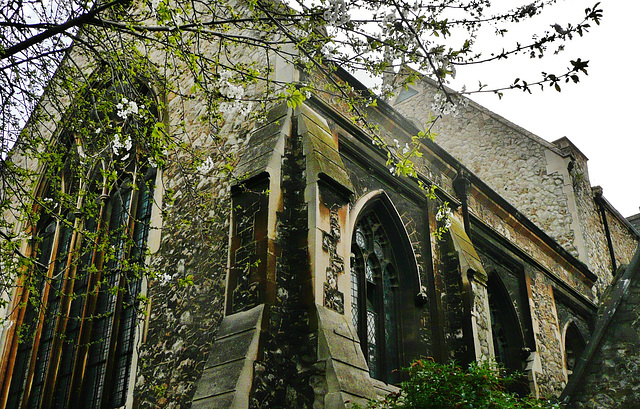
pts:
[328, 48]
[5, 323]
[127, 108]
[389, 19]
[229, 89]
[119, 143]
[206, 166]
[236, 110]
[336, 14]
[386, 89]
[165, 279]
[450, 106]
[444, 214]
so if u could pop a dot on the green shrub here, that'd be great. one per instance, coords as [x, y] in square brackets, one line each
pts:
[437, 386]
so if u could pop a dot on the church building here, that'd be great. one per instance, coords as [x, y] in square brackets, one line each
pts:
[312, 271]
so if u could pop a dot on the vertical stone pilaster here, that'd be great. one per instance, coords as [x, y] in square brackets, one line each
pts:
[547, 365]
[481, 316]
[333, 297]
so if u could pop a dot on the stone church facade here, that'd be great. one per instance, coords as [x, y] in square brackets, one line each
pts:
[328, 274]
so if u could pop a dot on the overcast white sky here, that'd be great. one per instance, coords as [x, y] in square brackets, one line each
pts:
[599, 115]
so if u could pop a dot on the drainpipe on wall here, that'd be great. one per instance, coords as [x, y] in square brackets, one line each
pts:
[600, 202]
[461, 186]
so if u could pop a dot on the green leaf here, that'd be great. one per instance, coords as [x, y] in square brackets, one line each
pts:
[295, 98]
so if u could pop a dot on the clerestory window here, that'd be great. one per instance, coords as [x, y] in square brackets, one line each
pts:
[374, 293]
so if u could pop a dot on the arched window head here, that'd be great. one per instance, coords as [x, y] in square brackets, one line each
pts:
[379, 266]
[508, 342]
[114, 123]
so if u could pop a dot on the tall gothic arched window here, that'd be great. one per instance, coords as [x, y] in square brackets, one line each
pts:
[77, 307]
[376, 268]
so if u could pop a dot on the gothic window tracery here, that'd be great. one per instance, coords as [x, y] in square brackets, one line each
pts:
[78, 307]
[80, 313]
[374, 296]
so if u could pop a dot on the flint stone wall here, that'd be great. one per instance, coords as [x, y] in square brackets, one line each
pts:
[610, 379]
[625, 241]
[550, 375]
[183, 317]
[535, 176]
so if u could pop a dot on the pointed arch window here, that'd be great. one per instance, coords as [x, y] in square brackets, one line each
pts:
[507, 336]
[77, 308]
[574, 345]
[374, 295]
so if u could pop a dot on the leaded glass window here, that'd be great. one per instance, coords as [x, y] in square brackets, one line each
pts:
[373, 296]
[76, 338]
[77, 307]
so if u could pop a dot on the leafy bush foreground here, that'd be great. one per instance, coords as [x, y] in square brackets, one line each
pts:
[443, 386]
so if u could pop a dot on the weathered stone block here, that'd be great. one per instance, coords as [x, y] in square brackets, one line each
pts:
[214, 402]
[341, 400]
[242, 321]
[220, 379]
[228, 374]
[352, 380]
[277, 112]
[231, 348]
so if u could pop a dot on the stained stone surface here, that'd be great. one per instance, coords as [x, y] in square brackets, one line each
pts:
[608, 371]
[226, 379]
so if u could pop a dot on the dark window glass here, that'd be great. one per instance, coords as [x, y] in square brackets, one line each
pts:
[27, 331]
[373, 296]
[507, 338]
[78, 331]
[573, 346]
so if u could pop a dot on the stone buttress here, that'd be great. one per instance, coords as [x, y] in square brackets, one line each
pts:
[285, 340]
